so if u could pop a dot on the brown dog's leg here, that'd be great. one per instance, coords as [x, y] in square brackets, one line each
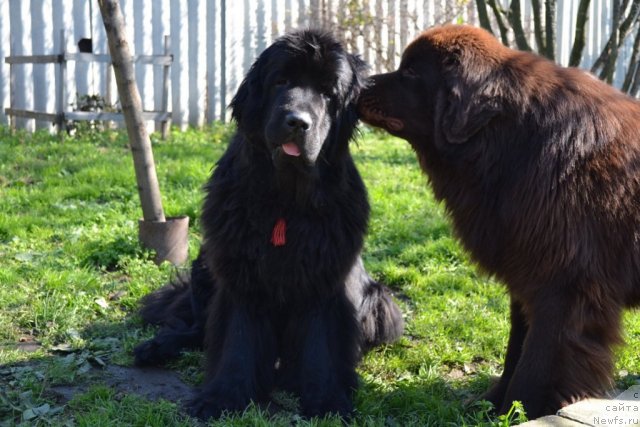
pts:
[517, 334]
[566, 354]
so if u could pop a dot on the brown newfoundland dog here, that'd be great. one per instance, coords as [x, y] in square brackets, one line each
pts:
[539, 168]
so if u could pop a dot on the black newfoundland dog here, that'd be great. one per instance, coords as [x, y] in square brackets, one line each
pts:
[539, 167]
[278, 294]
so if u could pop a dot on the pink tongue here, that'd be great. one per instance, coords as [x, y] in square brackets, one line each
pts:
[291, 149]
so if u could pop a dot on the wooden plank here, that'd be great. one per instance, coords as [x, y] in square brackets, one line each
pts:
[33, 59]
[158, 34]
[62, 14]
[43, 75]
[165, 89]
[85, 57]
[180, 69]
[12, 87]
[223, 61]
[61, 82]
[115, 117]
[20, 20]
[153, 59]
[84, 69]
[26, 114]
[5, 44]
[139, 59]
[197, 68]
[213, 59]
[141, 42]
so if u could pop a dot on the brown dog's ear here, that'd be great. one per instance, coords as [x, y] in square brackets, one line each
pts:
[471, 102]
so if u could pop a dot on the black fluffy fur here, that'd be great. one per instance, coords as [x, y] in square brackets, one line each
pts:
[297, 316]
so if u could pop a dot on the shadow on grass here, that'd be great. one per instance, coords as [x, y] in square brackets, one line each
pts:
[76, 383]
[40, 388]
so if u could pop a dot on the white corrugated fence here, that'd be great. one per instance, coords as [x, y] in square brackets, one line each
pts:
[214, 42]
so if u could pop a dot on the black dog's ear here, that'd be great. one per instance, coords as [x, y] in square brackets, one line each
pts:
[348, 114]
[239, 101]
[360, 70]
[472, 99]
[249, 94]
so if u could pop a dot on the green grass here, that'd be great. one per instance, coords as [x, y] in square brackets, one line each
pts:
[72, 272]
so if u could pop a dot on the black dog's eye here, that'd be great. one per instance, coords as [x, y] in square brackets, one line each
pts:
[282, 82]
[328, 93]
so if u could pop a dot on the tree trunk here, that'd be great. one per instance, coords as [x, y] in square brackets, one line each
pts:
[623, 32]
[483, 16]
[634, 64]
[538, 29]
[635, 87]
[578, 40]
[550, 28]
[501, 25]
[622, 25]
[515, 19]
[145, 169]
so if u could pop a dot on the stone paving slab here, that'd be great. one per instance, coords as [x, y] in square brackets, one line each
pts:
[553, 421]
[621, 410]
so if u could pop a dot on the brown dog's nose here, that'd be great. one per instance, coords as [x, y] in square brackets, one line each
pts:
[298, 121]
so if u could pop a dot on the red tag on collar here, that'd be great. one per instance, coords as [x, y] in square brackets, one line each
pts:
[278, 235]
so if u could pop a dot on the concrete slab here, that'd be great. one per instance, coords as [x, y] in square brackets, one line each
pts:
[552, 421]
[623, 410]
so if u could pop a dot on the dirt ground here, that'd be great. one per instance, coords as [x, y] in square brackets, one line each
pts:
[151, 383]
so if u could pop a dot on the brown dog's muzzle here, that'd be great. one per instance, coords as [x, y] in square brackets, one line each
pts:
[371, 112]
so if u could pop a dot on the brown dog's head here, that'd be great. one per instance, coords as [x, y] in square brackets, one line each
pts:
[448, 87]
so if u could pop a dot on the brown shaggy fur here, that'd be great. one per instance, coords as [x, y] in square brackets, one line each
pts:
[539, 167]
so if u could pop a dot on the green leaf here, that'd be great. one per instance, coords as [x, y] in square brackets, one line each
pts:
[31, 413]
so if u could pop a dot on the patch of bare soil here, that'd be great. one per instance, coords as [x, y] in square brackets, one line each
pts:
[151, 383]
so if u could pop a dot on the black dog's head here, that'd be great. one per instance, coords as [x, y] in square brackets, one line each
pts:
[298, 99]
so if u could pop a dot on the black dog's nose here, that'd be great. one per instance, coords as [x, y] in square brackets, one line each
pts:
[299, 121]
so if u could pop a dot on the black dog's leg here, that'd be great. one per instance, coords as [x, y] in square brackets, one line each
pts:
[180, 309]
[241, 355]
[517, 335]
[329, 354]
[203, 288]
[168, 343]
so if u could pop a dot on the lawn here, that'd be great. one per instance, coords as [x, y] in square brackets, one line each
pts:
[72, 272]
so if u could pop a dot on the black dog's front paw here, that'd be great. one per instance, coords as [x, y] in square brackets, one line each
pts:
[162, 348]
[211, 404]
[204, 408]
[338, 403]
[148, 354]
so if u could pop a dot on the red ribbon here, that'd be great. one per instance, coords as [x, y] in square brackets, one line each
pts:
[278, 235]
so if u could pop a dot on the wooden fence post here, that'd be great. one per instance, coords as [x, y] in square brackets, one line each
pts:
[60, 89]
[165, 88]
[12, 87]
[223, 57]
